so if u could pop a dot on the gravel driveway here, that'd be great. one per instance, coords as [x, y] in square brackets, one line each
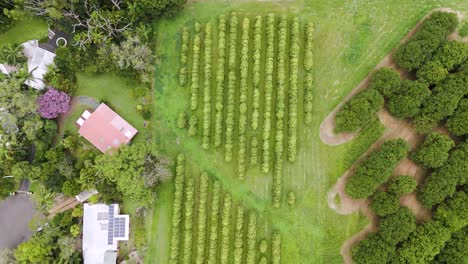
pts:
[15, 214]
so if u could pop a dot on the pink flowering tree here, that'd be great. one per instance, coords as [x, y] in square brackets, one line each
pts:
[53, 103]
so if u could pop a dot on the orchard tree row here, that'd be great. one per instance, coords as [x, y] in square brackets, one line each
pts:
[246, 88]
[208, 226]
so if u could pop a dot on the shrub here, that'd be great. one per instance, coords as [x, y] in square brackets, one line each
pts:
[434, 151]
[385, 203]
[193, 125]
[226, 228]
[253, 150]
[386, 81]
[53, 103]
[263, 246]
[308, 64]
[263, 260]
[455, 251]
[276, 248]
[293, 73]
[291, 198]
[182, 120]
[220, 81]
[376, 169]
[401, 185]
[214, 219]
[359, 111]
[177, 210]
[458, 122]
[207, 88]
[201, 230]
[231, 89]
[188, 219]
[270, 52]
[443, 181]
[432, 72]
[194, 85]
[407, 102]
[433, 32]
[239, 236]
[453, 213]
[251, 238]
[256, 70]
[373, 249]
[184, 46]
[396, 227]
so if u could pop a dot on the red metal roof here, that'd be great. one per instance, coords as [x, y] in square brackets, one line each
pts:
[105, 129]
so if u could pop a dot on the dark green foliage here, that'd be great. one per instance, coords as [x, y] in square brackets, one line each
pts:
[397, 227]
[458, 122]
[385, 203]
[408, 100]
[401, 185]
[363, 141]
[359, 111]
[446, 58]
[455, 250]
[386, 81]
[434, 151]
[453, 213]
[433, 32]
[376, 169]
[71, 188]
[442, 183]
[372, 250]
[7, 185]
[442, 102]
[424, 243]
[463, 29]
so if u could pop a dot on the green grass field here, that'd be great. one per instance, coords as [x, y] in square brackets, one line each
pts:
[350, 39]
[23, 31]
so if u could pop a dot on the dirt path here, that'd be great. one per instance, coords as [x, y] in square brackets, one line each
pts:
[64, 205]
[395, 128]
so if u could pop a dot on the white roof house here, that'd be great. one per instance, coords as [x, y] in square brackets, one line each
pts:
[38, 61]
[103, 228]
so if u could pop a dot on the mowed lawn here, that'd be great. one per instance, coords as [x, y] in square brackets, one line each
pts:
[350, 39]
[114, 91]
[25, 30]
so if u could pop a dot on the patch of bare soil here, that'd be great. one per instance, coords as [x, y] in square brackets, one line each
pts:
[395, 128]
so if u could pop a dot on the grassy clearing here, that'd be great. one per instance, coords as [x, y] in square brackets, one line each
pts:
[311, 232]
[24, 30]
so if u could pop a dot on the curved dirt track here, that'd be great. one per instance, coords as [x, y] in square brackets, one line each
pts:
[395, 128]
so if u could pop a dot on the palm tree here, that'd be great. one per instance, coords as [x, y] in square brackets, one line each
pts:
[12, 54]
[44, 198]
[23, 75]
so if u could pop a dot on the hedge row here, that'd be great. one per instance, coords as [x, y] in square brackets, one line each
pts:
[276, 248]
[231, 89]
[253, 151]
[308, 64]
[251, 238]
[226, 229]
[270, 53]
[214, 223]
[193, 125]
[256, 70]
[458, 122]
[184, 46]
[207, 87]
[177, 210]
[220, 81]
[433, 33]
[443, 182]
[293, 75]
[239, 235]
[194, 86]
[442, 102]
[280, 109]
[201, 230]
[188, 219]
[376, 169]
[244, 72]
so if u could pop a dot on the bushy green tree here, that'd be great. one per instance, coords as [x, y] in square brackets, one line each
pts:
[372, 250]
[396, 227]
[434, 152]
[386, 81]
[407, 101]
[453, 213]
[359, 111]
[402, 184]
[385, 203]
[455, 250]
[458, 122]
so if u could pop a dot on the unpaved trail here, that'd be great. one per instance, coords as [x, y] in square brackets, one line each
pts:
[395, 128]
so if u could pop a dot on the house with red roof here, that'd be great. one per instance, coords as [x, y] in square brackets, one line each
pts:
[105, 129]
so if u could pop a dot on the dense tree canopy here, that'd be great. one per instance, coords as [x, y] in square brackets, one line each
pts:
[458, 122]
[434, 151]
[386, 81]
[396, 227]
[376, 169]
[385, 203]
[372, 250]
[359, 111]
[432, 34]
[443, 181]
[455, 250]
[407, 101]
[453, 213]
[402, 184]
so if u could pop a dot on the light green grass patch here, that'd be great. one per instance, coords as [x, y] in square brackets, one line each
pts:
[23, 31]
